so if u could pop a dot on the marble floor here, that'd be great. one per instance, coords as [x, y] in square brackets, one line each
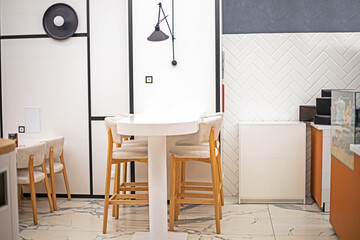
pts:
[82, 219]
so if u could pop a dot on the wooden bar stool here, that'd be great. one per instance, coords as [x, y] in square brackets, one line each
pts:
[26, 159]
[192, 140]
[122, 155]
[55, 164]
[209, 129]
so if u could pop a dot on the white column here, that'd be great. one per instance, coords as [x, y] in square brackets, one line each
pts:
[157, 188]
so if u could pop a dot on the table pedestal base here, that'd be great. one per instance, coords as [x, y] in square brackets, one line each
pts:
[171, 236]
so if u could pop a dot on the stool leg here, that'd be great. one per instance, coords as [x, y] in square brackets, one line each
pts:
[19, 194]
[177, 188]
[32, 189]
[47, 187]
[65, 176]
[220, 179]
[124, 174]
[172, 193]
[117, 187]
[183, 168]
[215, 182]
[52, 177]
[107, 189]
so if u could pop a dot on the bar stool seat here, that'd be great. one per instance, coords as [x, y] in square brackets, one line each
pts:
[23, 177]
[136, 148]
[134, 143]
[122, 155]
[192, 152]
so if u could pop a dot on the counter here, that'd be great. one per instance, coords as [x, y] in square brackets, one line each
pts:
[345, 197]
[9, 220]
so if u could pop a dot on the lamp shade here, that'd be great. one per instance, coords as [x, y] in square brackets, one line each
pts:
[157, 35]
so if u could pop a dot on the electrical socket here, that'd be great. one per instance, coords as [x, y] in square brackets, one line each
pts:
[21, 129]
[149, 79]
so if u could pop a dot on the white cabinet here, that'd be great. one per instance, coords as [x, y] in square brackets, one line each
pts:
[272, 161]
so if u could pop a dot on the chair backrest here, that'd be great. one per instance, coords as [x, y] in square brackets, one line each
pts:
[23, 155]
[123, 115]
[196, 137]
[56, 143]
[111, 123]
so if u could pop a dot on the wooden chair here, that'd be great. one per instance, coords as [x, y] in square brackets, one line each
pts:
[55, 164]
[179, 188]
[26, 159]
[122, 155]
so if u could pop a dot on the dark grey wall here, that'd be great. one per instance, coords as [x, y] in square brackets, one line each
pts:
[278, 16]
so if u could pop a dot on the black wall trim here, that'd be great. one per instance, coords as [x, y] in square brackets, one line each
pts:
[217, 52]
[99, 118]
[89, 96]
[131, 75]
[290, 16]
[29, 36]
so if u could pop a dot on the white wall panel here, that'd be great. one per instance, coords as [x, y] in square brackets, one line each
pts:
[191, 84]
[109, 57]
[19, 17]
[267, 77]
[51, 75]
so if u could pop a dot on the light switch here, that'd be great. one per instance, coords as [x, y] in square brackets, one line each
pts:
[148, 79]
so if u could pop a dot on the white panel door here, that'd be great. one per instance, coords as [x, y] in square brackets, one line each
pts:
[20, 17]
[51, 75]
[109, 57]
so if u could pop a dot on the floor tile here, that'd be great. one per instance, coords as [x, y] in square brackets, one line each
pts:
[297, 211]
[332, 237]
[302, 227]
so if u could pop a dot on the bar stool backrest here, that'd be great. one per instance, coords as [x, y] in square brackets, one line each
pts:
[194, 138]
[111, 123]
[205, 127]
[23, 155]
[57, 144]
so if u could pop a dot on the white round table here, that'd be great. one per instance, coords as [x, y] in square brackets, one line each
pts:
[156, 127]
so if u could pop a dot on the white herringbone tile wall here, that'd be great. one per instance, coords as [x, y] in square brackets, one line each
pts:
[267, 77]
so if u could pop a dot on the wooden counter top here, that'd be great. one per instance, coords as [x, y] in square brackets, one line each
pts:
[6, 146]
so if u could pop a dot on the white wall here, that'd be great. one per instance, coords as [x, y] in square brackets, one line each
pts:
[267, 77]
[191, 84]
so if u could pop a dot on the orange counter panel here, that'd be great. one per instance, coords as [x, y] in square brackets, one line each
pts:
[345, 199]
[316, 164]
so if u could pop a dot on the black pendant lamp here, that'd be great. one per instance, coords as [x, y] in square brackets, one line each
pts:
[158, 35]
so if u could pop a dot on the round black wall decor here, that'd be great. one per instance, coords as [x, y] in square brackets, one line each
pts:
[60, 21]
